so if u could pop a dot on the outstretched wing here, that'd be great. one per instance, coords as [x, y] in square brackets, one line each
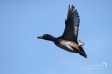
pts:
[71, 25]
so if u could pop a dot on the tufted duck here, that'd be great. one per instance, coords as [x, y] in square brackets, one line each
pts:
[68, 41]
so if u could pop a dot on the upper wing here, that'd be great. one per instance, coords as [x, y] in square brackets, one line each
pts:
[71, 25]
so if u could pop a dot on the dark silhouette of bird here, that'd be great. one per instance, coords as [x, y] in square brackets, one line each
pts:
[68, 41]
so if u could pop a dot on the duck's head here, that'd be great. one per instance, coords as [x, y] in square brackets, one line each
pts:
[47, 37]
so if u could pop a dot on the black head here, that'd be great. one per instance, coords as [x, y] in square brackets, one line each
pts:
[46, 37]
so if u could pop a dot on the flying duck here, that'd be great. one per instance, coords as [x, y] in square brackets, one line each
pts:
[68, 41]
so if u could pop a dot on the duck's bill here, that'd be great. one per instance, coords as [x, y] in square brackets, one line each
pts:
[40, 37]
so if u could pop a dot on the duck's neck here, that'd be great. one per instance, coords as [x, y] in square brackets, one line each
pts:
[51, 38]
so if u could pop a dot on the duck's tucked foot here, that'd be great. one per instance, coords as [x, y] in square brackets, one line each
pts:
[80, 43]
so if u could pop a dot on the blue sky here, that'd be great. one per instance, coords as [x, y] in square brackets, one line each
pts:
[21, 21]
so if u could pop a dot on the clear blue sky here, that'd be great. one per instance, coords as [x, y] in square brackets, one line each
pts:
[21, 21]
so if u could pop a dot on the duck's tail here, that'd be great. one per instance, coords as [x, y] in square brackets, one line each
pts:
[82, 52]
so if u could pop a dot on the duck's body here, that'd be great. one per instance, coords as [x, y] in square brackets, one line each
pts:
[67, 45]
[68, 41]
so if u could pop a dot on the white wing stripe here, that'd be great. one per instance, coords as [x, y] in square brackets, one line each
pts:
[76, 30]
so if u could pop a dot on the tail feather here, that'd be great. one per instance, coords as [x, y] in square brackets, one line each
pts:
[82, 52]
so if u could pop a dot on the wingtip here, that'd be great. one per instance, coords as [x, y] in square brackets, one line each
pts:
[69, 5]
[72, 6]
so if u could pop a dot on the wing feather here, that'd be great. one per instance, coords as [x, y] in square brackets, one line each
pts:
[71, 25]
